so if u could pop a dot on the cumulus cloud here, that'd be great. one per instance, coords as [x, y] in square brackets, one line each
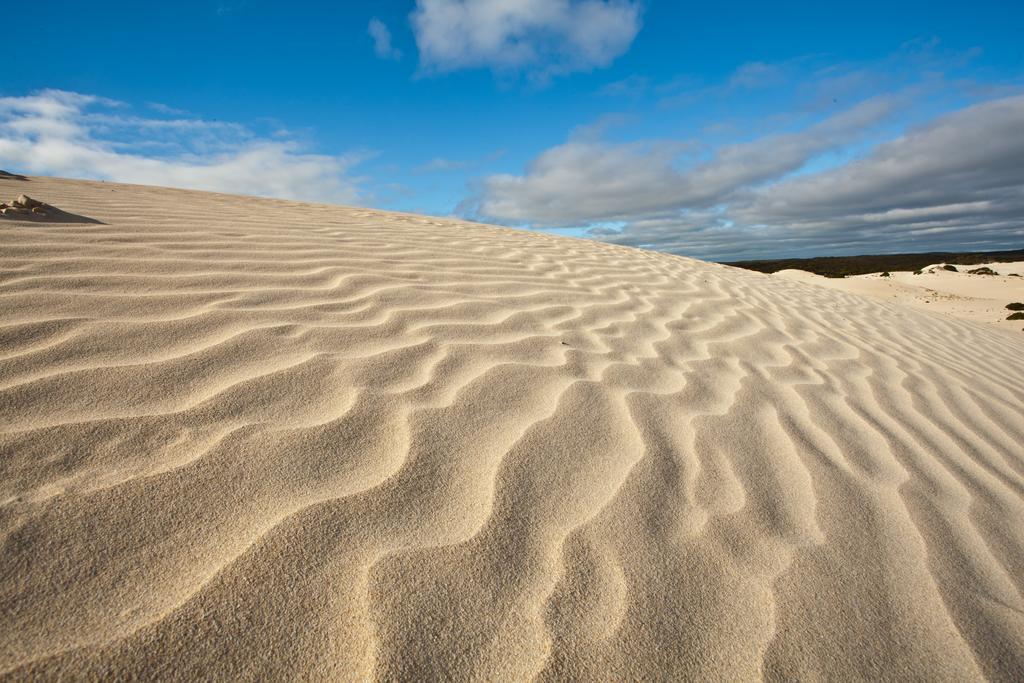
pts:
[381, 35]
[542, 37]
[956, 182]
[54, 132]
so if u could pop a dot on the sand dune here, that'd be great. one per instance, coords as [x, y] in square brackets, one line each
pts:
[958, 294]
[257, 439]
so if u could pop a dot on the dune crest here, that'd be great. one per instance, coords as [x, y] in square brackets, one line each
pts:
[253, 438]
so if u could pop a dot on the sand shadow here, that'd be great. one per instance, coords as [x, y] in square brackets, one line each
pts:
[4, 175]
[25, 209]
[52, 216]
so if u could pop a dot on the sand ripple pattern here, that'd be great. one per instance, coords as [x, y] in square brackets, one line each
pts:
[249, 439]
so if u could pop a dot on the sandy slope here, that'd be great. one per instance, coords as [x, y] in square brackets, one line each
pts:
[256, 439]
[979, 298]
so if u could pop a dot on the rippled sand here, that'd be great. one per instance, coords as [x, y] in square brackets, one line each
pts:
[979, 298]
[257, 439]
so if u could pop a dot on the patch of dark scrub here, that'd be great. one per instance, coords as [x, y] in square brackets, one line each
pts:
[843, 266]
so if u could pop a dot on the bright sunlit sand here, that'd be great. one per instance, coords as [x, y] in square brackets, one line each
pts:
[982, 298]
[254, 439]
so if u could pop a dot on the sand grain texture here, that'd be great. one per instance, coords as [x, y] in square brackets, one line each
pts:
[249, 439]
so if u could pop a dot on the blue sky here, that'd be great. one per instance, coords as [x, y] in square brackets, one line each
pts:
[719, 130]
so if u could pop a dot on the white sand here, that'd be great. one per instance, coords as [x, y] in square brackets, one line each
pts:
[979, 298]
[264, 440]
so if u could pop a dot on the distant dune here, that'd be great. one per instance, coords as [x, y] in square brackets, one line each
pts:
[256, 439]
[981, 298]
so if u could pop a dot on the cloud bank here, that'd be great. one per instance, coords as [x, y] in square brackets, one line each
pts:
[542, 37]
[61, 133]
[588, 181]
[957, 181]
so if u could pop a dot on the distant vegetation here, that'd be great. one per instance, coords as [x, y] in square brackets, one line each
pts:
[841, 266]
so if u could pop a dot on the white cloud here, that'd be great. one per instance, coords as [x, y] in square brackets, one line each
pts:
[61, 133]
[543, 37]
[756, 75]
[444, 165]
[381, 35]
[167, 110]
[440, 164]
[631, 86]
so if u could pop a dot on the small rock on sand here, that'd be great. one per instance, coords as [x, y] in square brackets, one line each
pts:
[27, 202]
